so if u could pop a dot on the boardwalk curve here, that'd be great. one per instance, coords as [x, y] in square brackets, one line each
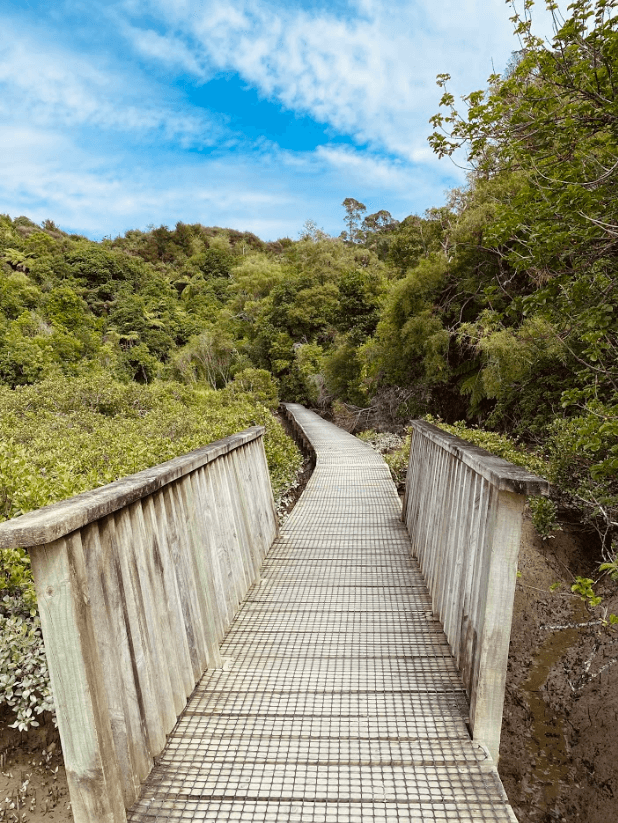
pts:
[338, 700]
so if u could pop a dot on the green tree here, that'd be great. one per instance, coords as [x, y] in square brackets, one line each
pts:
[354, 211]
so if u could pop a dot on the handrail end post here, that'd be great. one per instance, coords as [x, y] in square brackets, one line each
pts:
[92, 769]
[487, 693]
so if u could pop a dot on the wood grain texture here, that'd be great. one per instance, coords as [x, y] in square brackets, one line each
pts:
[463, 508]
[488, 696]
[108, 614]
[210, 556]
[135, 603]
[76, 675]
[144, 660]
[195, 541]
[173, 601]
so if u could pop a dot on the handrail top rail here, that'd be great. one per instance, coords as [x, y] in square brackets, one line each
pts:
[52, 522]
[500, 473]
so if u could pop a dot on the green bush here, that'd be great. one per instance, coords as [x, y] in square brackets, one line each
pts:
[24, 678]
[398, 460]
[544, 516]
[258, 384]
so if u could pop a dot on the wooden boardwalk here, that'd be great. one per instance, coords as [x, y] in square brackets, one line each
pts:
[339, 700]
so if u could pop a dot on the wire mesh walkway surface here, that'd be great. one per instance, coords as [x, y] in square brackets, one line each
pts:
[339, 699]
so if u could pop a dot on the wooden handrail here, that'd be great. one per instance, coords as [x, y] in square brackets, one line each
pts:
[500, 473]
[464, 507]
[137, 583]
[58, 519]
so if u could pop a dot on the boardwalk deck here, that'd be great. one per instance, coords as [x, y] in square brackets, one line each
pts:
[339, 700]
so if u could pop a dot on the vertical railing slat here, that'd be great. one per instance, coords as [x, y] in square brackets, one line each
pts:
[222, 544]
[171, 645]
[192, 540]
[211, 553]
[168, 518]
[142, 643]
[83, 717]
[155, 505]
[118, 668]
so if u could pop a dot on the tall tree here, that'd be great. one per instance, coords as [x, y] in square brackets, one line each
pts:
[354, 210]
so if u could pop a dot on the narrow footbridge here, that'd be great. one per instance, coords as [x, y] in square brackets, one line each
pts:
[342, 689]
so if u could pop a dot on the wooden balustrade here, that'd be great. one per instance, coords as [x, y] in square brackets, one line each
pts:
[137, 583]
[463, 508]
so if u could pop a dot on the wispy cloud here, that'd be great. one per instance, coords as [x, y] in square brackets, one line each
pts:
[50, 86]
[167, 50]
[97, 195]
[106, 118]
[370, 75]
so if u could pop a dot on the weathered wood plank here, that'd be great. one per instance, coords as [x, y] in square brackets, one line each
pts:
[263, 485]
[142, 646]
[229, 536]
[222, 546]
[230, 527]
[488, 699]
[249, 508]
[168, 608]
[182, 499]
[77, 677]
[202, 573]
[122, 687]
[179, 585]
[240, 513]
[211, 556]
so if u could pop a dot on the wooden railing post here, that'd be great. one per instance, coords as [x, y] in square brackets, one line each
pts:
[487, 693]
[463, 508]
[82, 710]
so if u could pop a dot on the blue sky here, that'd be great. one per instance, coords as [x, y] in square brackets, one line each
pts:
[253, 115]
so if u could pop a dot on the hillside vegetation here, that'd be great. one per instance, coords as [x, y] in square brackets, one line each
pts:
[498, 310]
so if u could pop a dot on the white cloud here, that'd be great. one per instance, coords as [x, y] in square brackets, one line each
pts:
[371, 75]
[45, 85]
[99, 144]
[52, 177]
[167, 50]
[375, 171]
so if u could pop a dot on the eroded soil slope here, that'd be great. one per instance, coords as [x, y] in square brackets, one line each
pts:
[560, 727]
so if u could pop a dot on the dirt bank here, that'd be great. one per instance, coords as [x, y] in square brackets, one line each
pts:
[33, 786]
[560, 726]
